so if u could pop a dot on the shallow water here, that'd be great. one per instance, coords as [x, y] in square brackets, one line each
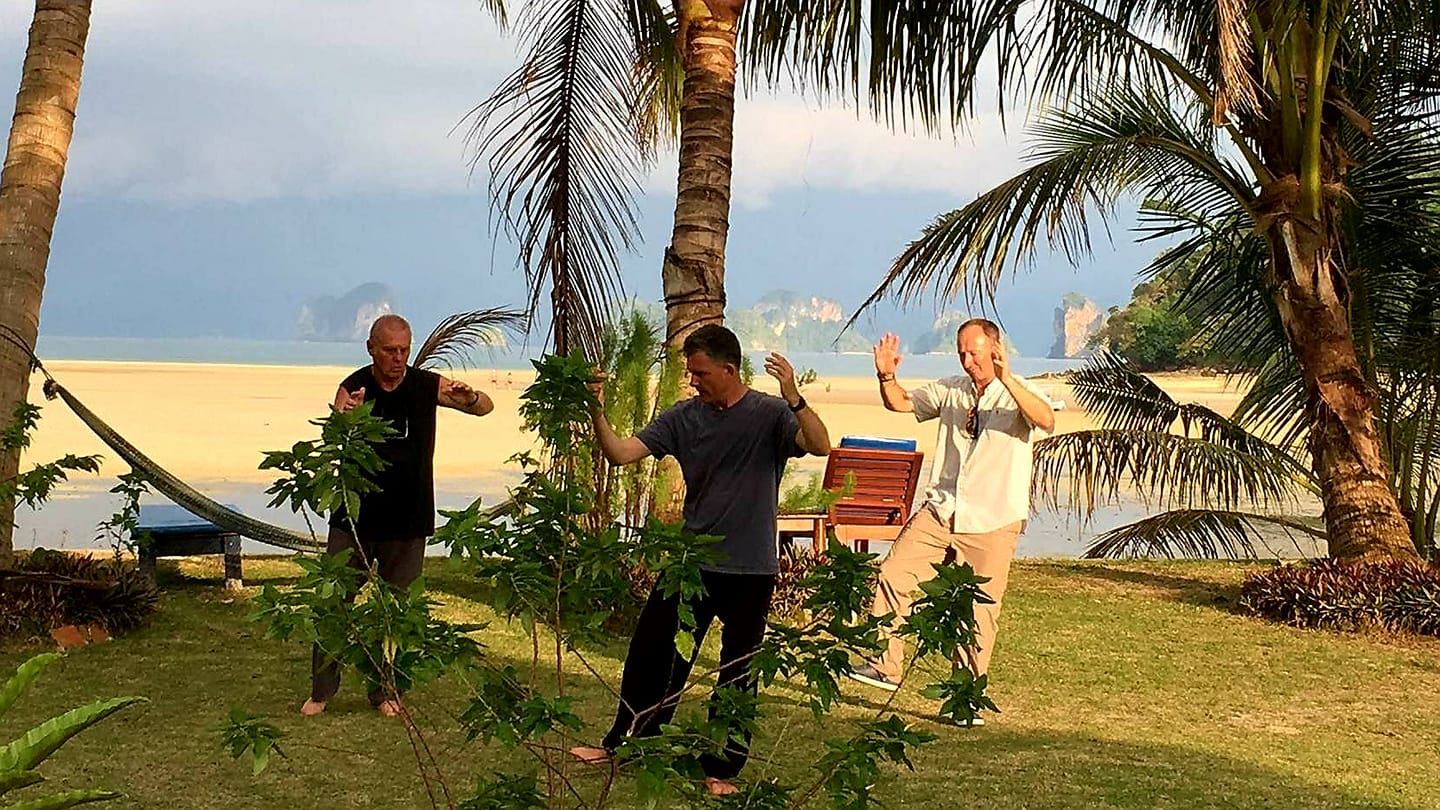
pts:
[69, 520]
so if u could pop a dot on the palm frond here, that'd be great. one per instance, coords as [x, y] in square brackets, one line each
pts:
[925, 61]
[454, 337]
[1123, 399]
[1204, 533]
[498, 12]
[1395, 47]
[558, 140]
[1238, 89]
[1090, 158]
[1120, 397]
[1277, 403]
[1083, 470]
[660, 75]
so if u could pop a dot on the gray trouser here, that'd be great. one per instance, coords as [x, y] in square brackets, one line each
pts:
[398, 562]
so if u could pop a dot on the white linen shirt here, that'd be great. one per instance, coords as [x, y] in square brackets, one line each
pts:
[978, 483]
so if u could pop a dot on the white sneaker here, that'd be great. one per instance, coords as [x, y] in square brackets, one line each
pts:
[870, 676]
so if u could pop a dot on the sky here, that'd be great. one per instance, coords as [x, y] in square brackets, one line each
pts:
[233, 159]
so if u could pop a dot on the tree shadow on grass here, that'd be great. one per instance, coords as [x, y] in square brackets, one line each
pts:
[995, 767]
[1185, 589]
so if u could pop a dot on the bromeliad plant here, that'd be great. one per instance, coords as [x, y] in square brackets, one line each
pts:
[20, 758]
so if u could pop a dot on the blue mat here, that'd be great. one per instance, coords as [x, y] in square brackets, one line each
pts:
[165, 518]
[878, 443]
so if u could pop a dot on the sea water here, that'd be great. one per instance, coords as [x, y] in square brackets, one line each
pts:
[70, 518]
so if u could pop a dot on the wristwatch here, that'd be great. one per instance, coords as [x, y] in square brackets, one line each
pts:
[799, 405]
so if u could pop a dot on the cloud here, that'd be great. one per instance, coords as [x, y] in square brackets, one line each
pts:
[227, 101]
[783, 143]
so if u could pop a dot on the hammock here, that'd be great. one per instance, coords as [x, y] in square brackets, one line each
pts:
[450, 339]
[180, 492]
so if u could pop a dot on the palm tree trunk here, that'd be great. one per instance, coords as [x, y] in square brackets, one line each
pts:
[30, 196]
[694, 271]
[1362, 516]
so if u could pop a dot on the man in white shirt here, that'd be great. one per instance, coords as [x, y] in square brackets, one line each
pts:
[979, 493]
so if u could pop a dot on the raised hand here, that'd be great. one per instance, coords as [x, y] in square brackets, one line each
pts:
[1002, 363]
[597, 385]
[350, 400]
[778, 367]
[887, 354]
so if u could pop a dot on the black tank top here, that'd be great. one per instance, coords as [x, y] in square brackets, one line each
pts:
[404, 506]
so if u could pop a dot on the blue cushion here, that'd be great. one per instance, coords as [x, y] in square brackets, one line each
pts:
[170, 519]
[878, 443]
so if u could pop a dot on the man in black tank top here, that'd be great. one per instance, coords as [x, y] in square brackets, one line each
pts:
[395, 520]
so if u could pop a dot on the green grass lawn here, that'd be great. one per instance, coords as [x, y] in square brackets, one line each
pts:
[1121, 685]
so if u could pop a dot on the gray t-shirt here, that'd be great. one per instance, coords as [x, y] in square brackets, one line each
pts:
[732, 460]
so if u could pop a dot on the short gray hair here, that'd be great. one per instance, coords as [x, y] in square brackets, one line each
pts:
[388, 321]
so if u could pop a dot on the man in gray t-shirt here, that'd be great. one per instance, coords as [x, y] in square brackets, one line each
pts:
[732, 444]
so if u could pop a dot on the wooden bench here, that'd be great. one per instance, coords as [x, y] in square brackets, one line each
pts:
[877, 507]
[165, 530]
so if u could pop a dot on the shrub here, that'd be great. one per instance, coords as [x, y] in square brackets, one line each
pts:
[49, 589]
[1398, 595]
[797, 563]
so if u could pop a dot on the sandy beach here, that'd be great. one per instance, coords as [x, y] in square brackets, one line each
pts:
[210, 423]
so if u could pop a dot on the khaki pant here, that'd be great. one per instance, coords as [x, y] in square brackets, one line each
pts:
[922, 545]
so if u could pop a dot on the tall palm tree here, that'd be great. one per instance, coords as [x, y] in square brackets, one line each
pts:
[30, 195]
[694, 269]
[567, 135]
[1207, 111]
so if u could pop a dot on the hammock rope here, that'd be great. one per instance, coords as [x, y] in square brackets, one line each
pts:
[455, 331]
[178, 491]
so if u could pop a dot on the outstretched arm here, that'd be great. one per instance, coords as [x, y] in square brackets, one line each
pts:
[461, 397]
[617, 451]
[812, 437]
[887, 360]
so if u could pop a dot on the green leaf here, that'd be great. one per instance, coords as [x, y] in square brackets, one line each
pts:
[69, 798]
[14, 780]
[41, 741]
[24, 675]
[685, 643]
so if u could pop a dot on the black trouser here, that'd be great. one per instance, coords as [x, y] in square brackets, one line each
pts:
[655, 672]
[398, 562]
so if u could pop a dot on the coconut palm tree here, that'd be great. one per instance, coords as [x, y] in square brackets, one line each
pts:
[30, 195]
[1249, 113]
[566, 137]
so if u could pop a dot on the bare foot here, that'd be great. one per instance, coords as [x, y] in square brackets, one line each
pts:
[389, 707]
[720, 787]
[312, 707]
[590, 756]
